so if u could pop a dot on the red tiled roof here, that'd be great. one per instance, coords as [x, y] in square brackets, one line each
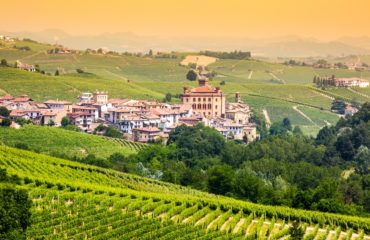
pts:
[58, 102]
[147, 129]
[204, 89]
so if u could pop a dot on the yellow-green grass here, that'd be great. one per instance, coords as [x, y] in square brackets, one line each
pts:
[60, 142]
[73, 200]
[42, 87]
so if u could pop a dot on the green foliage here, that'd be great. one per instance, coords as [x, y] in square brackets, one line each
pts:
[338, 106]
[192, 75]
[65, 121]
[6, 122]
[4, 112]
[14, 209]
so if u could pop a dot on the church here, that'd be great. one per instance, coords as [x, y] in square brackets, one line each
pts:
[205, 99]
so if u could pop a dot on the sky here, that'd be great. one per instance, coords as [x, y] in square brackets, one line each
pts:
[321, 19]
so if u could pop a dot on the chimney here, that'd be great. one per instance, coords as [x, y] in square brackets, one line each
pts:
[237, 97]
[203, 81]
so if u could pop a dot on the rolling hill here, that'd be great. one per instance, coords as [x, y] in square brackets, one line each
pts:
[279, 89]
[78, 201]
[60, 142]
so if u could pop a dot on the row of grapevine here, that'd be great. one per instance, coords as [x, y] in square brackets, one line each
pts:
[78, 199]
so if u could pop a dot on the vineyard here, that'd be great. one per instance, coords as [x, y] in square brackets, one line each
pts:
[60, 142]
[136, 146]
[77, 201]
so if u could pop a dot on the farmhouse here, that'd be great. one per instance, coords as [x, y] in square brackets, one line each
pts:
[25, 66]
[205, 100]
[341, 82]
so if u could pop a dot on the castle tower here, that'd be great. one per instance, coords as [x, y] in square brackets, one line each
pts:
[237, 97]
[100, 97]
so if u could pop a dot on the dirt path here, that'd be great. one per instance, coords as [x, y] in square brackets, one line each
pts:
[250, 75]
[279, 79]
[295, 108]
[267, 118]
[324, 95]
[359, 93]
[115, 74]
[32, 55]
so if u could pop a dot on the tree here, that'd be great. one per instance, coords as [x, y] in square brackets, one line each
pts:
[4, 112]
[51, 123]
[79, 70]
[220, 179]
[338, 106]
[168, 97]
[191, 75]
[65, 121]
[4, 63]
[112, 132]
[287, 124]
[22, 121]
[6, 122]
[297, 131]
[222, 82]
[150, 52]
[56, 73]
[296, 232]
[362, 160]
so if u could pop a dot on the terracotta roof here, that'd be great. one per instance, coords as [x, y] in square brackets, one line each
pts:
[78, 114]
[118, 100]
[57, 102]
[17, 113]
[83, 108]
[204, 89]
[47, 112]
[21, 99]
[6, 98]
[147, 129]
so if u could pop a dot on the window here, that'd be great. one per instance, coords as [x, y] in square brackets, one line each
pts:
[216, 113]
[187, 99]
[194, 106]
[216, 99]
[199, 99]
[209, 106]
[204, 99]
[204, 106]
[209, 99]
[199, 106]
[216, 106]
[194, 99]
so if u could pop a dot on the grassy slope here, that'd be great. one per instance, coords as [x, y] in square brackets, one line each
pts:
[58, 141]
[65, 192]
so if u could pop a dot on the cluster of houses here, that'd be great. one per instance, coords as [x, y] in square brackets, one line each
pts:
[142, 120]
[6, 38]
[341, 82]
[25, 66]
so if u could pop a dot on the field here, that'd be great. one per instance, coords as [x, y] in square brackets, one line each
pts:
[60, 142]
[275, 87]
[77, 201]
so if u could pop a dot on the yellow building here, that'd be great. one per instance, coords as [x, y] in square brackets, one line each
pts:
[205, 99]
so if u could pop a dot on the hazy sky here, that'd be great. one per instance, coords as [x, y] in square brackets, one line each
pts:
[323, 19]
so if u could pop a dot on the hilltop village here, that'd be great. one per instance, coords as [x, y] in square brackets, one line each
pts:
[140, 120]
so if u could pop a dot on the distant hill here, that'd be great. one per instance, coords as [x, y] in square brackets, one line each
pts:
[286, 46]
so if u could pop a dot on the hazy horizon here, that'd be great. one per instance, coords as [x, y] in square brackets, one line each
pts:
[322, 20]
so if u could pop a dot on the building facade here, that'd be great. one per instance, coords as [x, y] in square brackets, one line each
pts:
[205, 99]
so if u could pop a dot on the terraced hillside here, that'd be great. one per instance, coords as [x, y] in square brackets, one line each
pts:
[60, 142]
[77, 201]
